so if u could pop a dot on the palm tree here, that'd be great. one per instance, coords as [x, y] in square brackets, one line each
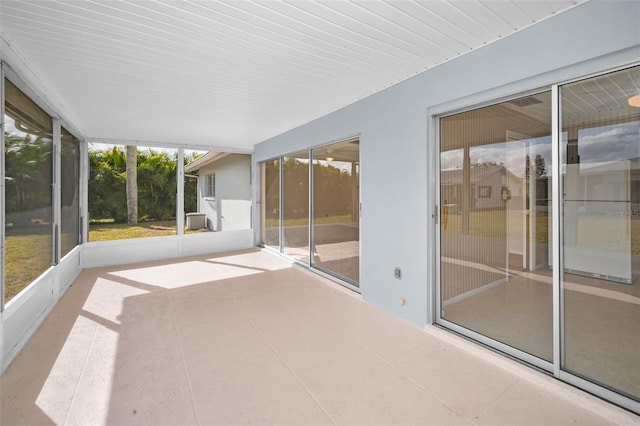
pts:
[132, 185]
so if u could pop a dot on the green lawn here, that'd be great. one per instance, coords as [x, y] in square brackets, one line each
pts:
[105, 230]
[492, 223]
[272, 223]
[26, 257]
[122, 231]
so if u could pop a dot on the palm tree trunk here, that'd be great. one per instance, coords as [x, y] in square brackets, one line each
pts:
[132, 185]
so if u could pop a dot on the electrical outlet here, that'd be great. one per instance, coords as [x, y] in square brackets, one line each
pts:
[397, 273]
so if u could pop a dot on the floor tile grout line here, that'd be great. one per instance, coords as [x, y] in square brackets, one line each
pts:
[384, 360]
[500, 395]
[406, 376]
[86, 359]
[184, 361]
[324, 410]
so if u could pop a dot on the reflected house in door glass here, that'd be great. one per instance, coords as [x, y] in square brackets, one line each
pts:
[488, 184]
[224, 190]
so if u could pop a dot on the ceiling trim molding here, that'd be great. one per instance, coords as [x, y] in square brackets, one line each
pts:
[169, 144]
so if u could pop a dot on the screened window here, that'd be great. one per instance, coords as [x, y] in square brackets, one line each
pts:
[70, 192]
[28, 154]
[132, 192]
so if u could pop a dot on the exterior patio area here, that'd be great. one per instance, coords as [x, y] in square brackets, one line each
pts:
[247, 337]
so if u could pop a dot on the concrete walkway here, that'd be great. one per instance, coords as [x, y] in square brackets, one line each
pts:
[245, 337]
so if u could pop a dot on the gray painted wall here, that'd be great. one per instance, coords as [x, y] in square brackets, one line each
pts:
[397, 140]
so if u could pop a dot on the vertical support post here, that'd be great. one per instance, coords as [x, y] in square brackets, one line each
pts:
[84, 192]
[255, 181]
[556, 202]
[56, 190]
[311, 207]
[261, 204]
[180, 193]
[281, 204]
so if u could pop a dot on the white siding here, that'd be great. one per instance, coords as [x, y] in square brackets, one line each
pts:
[230, 209]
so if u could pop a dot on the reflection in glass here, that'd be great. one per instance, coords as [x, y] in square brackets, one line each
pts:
[295, 205]
[494, 224]
[336, 210]
[601, 230]
[28, 154]
[194, 221]
[111, 211]
[70, 193]
[271, 204]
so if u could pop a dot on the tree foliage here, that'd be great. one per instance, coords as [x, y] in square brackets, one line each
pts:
[156, 182]
[332, 186]
[28, 174]
[540, 166]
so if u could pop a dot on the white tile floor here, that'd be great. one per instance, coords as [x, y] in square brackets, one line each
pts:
[244, 337]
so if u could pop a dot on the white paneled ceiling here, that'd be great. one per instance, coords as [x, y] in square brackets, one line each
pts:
[233, 73]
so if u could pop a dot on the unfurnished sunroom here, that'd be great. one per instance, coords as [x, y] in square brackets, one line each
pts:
[471, 166]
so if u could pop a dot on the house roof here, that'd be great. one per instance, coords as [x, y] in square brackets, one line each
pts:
[478, 174]
[206, 159]
[225, 75]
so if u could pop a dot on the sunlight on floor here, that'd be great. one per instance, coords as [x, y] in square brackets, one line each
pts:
[254, 339]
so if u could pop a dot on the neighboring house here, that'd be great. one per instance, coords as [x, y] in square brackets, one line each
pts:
[224, 189]
[487, 184]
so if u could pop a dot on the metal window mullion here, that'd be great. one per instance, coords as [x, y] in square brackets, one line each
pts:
[437, 291]
[358, 168]
[256, 201]
[56, 192]
[556, 203]
[2, 187]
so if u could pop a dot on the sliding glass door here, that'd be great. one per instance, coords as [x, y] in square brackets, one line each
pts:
[568, 302]
[336, 210]
[271, 204]
[601, 230]
[295, 202]
[495, 273]
[311, 208]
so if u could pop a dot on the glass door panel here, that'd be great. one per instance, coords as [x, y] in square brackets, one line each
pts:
[495, 274]
[295, 202]
[271, 204]
[601, 230]
[336, 210]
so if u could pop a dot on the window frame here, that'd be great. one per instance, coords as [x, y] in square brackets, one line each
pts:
[210, 185]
